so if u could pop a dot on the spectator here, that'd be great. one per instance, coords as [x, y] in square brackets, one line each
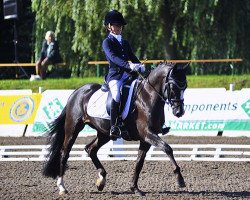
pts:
[49, 54]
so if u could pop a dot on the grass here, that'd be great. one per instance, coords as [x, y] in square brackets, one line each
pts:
[218, 81]
[70, 83]
[211, 81]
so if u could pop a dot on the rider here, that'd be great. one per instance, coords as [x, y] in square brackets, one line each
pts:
[118, 53]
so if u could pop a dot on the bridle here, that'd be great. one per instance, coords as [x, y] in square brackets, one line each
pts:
[181, 85]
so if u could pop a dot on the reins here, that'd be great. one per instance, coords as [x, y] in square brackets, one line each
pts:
[161, 96]
[147, 80]
[157, 92]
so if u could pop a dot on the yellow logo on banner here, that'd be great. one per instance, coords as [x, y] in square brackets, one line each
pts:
[19, 109]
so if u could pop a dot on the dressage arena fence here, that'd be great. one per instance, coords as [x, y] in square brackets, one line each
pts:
[110, 152]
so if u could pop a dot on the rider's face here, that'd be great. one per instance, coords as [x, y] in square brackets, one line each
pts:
[49, 39]
[115, 28]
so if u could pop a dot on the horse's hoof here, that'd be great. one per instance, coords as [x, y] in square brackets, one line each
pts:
[181, 182]
[137, 192]
[182, 185]
[100, 182]
[63, 192]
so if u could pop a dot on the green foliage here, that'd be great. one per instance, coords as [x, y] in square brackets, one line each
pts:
[157, 29]
[213, 29]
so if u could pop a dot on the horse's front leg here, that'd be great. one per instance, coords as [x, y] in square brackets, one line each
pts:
[92, 149]
[143, 149]
[156, 141]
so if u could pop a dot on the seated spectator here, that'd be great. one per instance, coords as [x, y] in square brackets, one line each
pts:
[49, 54]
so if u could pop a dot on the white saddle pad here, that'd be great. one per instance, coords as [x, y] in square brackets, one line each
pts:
[97, 104]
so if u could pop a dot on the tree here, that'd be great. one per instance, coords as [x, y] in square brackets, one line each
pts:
[157, 29]
[212, 29]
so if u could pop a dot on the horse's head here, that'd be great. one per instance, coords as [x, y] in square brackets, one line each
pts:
[174, 88]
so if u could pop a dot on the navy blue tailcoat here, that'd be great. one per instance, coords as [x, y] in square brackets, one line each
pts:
[118, 56]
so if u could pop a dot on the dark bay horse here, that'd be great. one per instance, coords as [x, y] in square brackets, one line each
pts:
[165, 84]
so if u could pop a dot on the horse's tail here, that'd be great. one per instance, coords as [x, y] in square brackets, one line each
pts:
[56, 134]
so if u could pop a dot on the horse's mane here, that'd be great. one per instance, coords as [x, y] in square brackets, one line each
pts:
[165, 65]
[157, 67]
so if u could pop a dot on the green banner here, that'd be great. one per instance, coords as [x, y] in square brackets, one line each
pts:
[39, 127]
[209, 125]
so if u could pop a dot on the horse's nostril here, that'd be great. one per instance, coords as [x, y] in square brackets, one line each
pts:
[179, 113]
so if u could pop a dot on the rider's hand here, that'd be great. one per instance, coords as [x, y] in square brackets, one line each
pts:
[137, 67]
[142, 68]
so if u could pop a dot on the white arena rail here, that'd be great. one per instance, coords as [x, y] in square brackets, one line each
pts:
[182, 152]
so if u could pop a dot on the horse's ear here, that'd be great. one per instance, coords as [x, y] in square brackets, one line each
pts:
[181, 66]
[185, 67]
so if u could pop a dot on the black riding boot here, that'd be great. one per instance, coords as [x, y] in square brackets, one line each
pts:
[115, 131]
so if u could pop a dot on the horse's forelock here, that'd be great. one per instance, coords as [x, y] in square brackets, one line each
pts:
[178, 77]
[179, 72]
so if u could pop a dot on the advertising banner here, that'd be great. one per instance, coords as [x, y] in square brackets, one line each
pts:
[14, 130]
[18, 109]
[212, 110]
[51, 106]
[206, 111]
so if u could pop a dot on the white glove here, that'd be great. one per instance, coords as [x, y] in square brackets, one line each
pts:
[142, 68]
[137, 67]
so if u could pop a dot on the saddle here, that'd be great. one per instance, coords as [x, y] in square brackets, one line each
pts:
[125, 94]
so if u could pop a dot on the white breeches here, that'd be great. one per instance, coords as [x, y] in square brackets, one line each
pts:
[115, 86]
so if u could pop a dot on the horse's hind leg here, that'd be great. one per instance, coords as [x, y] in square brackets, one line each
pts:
[71, 132]
[92, 149]
[156, 141]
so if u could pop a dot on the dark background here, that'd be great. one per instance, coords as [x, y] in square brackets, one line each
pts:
[24, 25]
